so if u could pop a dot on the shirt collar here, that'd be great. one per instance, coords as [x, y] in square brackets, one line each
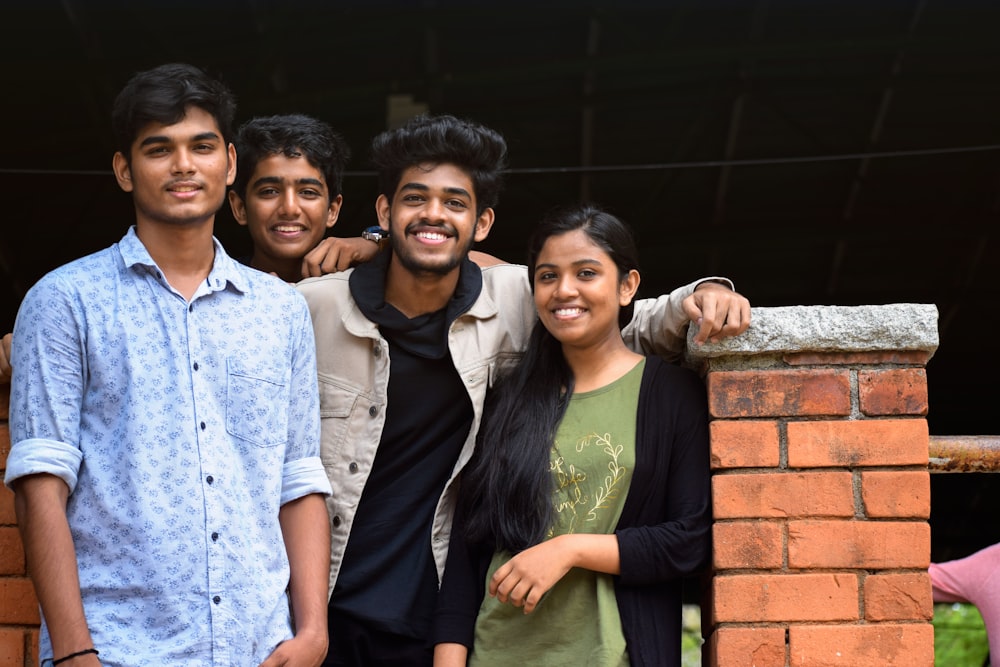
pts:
[225, 270]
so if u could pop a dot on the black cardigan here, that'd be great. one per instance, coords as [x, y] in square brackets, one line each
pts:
[663, 533]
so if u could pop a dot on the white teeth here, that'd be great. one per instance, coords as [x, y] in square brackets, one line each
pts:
[568, 312]
[288, 228]
[433, 236]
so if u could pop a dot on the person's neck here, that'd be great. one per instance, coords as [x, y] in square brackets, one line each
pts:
[289, 270]
[418, 294]
[184, 253]
[599, 365]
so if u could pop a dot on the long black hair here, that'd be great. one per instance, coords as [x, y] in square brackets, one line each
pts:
[507, 487]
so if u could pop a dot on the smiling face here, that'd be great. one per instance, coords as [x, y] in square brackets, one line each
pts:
[432, 219]
[287, 210]
[578, 291]
[177, 173]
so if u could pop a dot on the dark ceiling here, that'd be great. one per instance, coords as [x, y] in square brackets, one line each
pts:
[817, 152]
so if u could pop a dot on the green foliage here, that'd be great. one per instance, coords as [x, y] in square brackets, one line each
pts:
[959, 636]
[691, 636]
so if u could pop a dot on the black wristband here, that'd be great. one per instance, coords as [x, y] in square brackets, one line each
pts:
[86, 651]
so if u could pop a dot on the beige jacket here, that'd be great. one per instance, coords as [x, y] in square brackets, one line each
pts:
[353, 363]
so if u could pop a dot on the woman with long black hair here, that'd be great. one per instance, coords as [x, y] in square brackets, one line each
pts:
[587, 500]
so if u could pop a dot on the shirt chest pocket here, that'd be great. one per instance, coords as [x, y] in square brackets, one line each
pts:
[257, 403]
[336, 405]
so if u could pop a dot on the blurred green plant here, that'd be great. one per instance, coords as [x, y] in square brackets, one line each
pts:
[959, 636]
[691, 636]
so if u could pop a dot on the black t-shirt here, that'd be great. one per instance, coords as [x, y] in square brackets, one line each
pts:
[388, 576]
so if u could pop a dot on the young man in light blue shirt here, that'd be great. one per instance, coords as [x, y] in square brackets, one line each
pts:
[165, 424]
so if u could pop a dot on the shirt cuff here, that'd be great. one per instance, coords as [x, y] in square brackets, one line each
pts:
[302, 477]
[37, 456]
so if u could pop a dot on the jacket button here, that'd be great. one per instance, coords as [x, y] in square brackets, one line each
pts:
[377, 351]
[372, 411]
[336, 521]
[353, 467]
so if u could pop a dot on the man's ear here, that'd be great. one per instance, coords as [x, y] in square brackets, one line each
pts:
[123, 172]
[382, 209]
[239, 207]
[231, 171]
[484, 224]
[334, 212]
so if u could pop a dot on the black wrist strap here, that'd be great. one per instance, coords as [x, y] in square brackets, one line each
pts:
[86, 651]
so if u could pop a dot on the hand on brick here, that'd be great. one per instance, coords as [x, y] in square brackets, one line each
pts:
[717, 311]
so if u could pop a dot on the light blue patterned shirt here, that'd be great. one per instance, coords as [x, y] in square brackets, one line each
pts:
[180, 428]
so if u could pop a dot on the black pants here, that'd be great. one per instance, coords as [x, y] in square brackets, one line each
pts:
[353, 643]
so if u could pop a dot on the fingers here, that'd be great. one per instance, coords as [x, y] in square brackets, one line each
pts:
[509, 587]
[718, 313]
[334, 254]
[5, 368]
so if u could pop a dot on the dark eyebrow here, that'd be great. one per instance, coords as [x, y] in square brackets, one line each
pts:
[275, 180]
[579, 262]
[163, 139]
[462, 192]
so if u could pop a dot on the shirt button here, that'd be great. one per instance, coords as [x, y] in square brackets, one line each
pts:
[215, 537]
[209, 479]
[353, 467]
[196, 365]
[373, 411]
[336, 521]
[203, 426]
[191, 308]
[216, 599]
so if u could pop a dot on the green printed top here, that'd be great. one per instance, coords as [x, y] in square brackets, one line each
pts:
[577, 622]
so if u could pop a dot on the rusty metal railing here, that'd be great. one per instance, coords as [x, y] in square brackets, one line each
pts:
[965, 453]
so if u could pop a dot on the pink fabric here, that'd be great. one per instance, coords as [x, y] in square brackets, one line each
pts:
[974, 579]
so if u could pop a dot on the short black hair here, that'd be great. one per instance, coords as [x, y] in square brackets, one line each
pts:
[475, 148]
[162, 95]
[291, 135]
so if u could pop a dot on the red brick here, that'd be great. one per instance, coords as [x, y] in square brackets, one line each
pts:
[896, 494]
[747, 545]
[32, 657]
[11, 551]
[871, 442]
[744, 444]
[7, 516]
[762, 598]
[4, 444]
[782, 494]
[900, 391]
[875, 645]
[898, 597]
[747, 647]
[18, 605]
[12, 647]
[779, 393]
[911, 357]
[859, 544]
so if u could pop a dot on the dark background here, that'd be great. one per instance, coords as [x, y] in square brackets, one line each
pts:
[819, 152]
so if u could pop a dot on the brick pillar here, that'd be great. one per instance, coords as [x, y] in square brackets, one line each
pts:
[18, 607]
[820, 489]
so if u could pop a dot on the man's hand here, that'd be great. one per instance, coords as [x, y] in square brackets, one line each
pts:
[717, 311]
[482, 260]
[303, 650]
[335, 254]
[5, 369]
